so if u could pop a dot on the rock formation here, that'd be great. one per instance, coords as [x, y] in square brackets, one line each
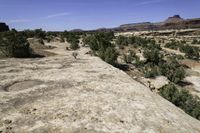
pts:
[175, 22]
[174, 19]
[3, 27]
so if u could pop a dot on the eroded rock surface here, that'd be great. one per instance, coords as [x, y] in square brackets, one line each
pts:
[61, 94]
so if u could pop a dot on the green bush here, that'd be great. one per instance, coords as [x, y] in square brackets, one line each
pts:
[182, 99]
[74, 45]
[39, 33]
[122, 41]
[111, 56]
[72, 38]
[195, 41]
[14, 44]
[173, 71]
[100, 44]
[153, 55]
[173, 45]
[155, 65]
[191, 52]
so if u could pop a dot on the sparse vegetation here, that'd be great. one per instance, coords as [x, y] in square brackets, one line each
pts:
[173, 71]
[151, 70]
[173, 45]
[153, 56]
[191, 52]
[74, 45]
[74, 54]
[100, 44]
[182, 99]
[14, 44]
[72, 38]
[130, 57]
[122, 41]
[194, 41]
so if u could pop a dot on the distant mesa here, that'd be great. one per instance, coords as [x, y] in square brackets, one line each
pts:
[135, 24]
[174, 19]
[3, 27]
[76, 30]
[174, 22]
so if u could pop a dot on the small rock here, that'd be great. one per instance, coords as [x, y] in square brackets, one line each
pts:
[121, 121]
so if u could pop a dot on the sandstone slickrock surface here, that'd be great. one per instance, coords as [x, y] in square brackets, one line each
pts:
[61, 94]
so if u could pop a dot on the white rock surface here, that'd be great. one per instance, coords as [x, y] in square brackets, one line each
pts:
[195, 80]
[61, 94]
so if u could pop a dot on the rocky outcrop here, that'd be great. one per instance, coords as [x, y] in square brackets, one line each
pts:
[3, 27]
[61, 94]
[175, 22]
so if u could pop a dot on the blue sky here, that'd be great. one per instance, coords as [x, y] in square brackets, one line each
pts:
[91, 14]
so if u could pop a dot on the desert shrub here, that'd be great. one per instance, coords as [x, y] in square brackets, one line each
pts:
[177, 57]
[93, 42]
[72, 38]
[138, 63]
[130, 57]
[48, 39]
[151, 71]
[172, 70]
[122, 41]
[14, 44]
[194, 41]
[191, 52]
[155, 65]
[131, 40]
[153, 46]
[107, 35]
[173, 45]
[143, 42]
[153, 56]
[86, 40]
[74, 45]
[74, 54]
[39, 33]
[111, 56]
[183, 42]
[53, 33]
[99, 41]
[41, 41]
[136, 41]
[62, 39]
[182, 99]
[100, 44]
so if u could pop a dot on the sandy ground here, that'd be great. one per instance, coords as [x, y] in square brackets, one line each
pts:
[61, 94]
